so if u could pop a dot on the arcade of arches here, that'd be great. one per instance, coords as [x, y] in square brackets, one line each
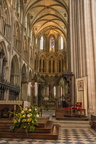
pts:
[48, 52]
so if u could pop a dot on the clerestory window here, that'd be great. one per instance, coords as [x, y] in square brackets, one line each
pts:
[52, 43]
[41, 43]
[61, 43]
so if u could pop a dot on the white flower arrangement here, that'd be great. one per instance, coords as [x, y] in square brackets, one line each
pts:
[26, 119]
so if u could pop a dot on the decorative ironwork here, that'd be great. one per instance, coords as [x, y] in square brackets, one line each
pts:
[68, 77]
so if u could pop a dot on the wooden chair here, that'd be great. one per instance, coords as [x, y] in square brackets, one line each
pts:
[77, 105]
[78, 109]
[72, 110]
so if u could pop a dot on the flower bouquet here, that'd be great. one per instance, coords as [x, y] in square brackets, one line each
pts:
[26, 119]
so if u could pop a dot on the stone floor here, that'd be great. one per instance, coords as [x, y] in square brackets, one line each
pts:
[71, 132]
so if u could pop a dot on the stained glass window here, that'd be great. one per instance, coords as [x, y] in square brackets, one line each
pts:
[54, 91]
[41, 43]
[52, 43]
[61, 40]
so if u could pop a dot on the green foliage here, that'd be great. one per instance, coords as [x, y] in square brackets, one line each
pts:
[26, 119]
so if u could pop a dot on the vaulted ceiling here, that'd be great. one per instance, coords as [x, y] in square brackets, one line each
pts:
[48, 16]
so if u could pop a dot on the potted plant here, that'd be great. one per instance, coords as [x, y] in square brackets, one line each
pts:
[26, 119]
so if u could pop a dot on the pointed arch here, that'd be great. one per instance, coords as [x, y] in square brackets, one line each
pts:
[3, 60]
[3, 47]
[15, 71]
[24, 74]
[30, 76]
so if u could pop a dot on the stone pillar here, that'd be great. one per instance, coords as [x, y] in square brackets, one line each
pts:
[16, 78]
[57, 92]
[90, 55]
[93, 8]
[1, 23]
[1, 64]
[82, 43]
[51, 66]
[61, 65]
[33, 93]
[24, 91]
[45, 92]
[57, 66]
[41, 64]
[6, 94]
[47, 66]
[4, 67]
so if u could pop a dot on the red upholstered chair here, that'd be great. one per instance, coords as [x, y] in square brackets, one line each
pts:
[78, 109]
[72, 110]
[77, 105]
[81, 111]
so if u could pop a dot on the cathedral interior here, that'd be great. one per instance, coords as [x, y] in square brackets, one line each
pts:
[48, 54]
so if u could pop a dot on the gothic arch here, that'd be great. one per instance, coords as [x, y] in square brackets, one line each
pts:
[30, 76]
[3, 60]
[42, 56]
[16, 35]
[6, 12]
[16, 30]
[15, 71]
[3, 47]
[25, 47]
[42, 62]
[6, 19]
[66, 62]
[52, 43]
[24, 74]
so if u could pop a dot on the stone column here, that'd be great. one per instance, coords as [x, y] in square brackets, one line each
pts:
[1, 63]
[41, 64]
[1, 23]
[57, 66]
[16, 78]
[88, 5]
[32, 93]
[57, 92]
[46, 92]
[6, 94]
[82, 43]
[51, 65]
[24, 89]
[4, 67]
[46, 66]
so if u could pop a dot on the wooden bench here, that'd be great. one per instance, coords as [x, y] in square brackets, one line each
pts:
[92, 122]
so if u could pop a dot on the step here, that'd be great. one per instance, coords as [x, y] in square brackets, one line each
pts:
[45, 129]
[72, 124]
[72, 118]
[51, 136]
[7, 122]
